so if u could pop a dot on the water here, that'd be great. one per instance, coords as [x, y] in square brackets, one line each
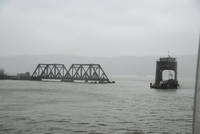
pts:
[127, 107]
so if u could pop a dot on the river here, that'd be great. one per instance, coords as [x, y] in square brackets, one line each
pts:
[127, 107]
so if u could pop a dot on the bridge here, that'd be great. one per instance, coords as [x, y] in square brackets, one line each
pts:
[165, 63]
[49, 71]
[82, 72]
[86, 72]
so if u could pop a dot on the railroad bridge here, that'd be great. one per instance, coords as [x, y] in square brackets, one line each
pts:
[49, 71]
[84, 72]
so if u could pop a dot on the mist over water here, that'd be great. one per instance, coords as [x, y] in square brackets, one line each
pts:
[127, 107]
[117, 65]
[125, 38]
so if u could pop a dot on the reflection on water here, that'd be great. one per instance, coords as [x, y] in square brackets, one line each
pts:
[127, 107]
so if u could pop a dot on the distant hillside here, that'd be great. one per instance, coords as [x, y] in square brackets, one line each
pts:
[124, 65]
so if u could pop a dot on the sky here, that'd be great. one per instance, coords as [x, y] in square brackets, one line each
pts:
[99, 27]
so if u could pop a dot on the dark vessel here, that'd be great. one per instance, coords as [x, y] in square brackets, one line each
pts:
[170, 64]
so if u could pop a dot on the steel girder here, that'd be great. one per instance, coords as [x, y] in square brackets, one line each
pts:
[49, 71]
[86, 72]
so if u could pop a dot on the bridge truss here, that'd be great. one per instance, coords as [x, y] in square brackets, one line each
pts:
[84, 72]
[49, 71]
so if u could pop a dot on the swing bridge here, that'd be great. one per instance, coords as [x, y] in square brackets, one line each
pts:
[77, 72]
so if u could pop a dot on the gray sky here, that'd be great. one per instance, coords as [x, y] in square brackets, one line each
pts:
[99, 27]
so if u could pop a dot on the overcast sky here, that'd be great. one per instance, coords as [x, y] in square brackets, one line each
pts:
[99, 27]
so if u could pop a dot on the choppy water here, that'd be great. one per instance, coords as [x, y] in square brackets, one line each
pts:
[127, 107]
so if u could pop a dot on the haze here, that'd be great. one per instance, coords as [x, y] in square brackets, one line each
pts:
[99, 28]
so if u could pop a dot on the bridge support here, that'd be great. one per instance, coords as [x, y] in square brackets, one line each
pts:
[167, 63]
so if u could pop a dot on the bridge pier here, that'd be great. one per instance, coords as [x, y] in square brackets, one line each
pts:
[167, 63]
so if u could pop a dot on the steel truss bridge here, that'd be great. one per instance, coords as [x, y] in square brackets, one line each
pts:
[83, 72]
[49, 71]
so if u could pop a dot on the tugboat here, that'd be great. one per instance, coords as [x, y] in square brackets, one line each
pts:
[170, 64]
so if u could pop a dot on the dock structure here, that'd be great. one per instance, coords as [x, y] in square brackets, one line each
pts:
[166, 63]
[82, 72]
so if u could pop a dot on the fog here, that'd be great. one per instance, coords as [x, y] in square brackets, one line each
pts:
[126, 37]
[113, 66]
[99, 28]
